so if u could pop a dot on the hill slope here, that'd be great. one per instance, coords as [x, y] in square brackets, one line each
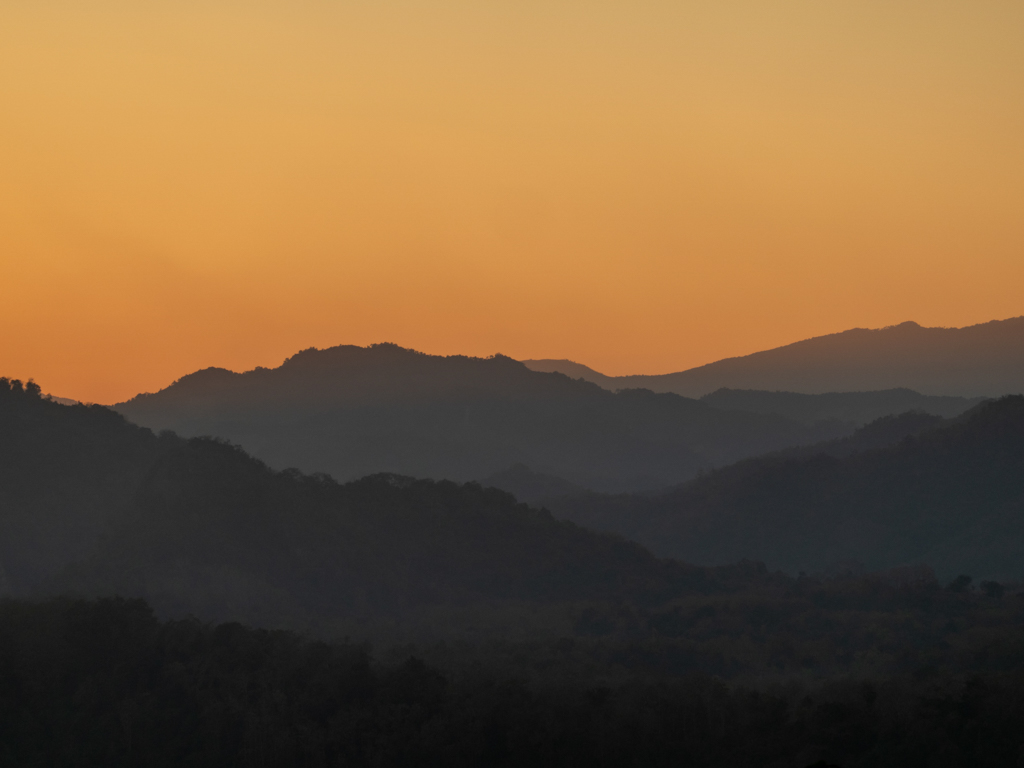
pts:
[353, 411]
[979, 360]
[93, 504]
[952, 498]
[197, 527]
[858, 408]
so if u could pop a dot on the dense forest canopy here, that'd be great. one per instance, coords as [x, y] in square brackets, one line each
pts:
[106, 684]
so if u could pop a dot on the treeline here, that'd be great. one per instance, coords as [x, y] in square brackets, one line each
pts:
[105, 684]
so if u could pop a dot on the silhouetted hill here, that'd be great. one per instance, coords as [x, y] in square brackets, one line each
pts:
[952, 498]
[526, 609]
[880, 433]
[539, 489]
[985, 360]
[352, 411]
[529, 486]
[850, 407]
[574, 371]
[93, 504]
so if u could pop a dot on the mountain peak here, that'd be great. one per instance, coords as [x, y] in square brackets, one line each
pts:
[986, 359]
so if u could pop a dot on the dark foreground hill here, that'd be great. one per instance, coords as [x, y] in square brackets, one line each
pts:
[90, 503]
[353, 411]
[93, 505]
[106, 685]
[522, 641]
[952, 498]
[985, 360]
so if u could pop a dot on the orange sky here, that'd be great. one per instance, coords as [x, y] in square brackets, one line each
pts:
[641, 186]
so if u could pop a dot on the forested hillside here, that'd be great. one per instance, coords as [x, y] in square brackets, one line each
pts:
[950, 497]
[353, 411]
[91, 503]
[106, 685]
[499, 635]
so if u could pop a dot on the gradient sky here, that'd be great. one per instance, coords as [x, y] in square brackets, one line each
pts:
[641, 186]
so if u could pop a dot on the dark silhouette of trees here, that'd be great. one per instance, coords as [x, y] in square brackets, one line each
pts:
[106, 684]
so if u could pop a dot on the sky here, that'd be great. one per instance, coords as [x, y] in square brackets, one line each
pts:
[640, 186]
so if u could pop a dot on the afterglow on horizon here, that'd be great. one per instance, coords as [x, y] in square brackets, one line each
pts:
[639, 186]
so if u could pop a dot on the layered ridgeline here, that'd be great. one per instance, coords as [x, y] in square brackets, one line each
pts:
[951, 497]
[857, 408]
[95, 506]
[92, 504]
[985, 360]
[541, 489]
[351, 411]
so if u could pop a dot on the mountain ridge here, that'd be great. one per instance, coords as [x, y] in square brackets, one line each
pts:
[949, 496]
[92, 504]
[982, 360]
[352, 411]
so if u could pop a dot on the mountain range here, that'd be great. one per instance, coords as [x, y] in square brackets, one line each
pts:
[352, 411]
[93, 505]
[985, 360]
[949, 495]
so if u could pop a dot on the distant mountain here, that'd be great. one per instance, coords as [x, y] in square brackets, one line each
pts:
[92, 504]
[540, 489]
[529, 486]
[852, 407]
[353, 411]
[952, 498]
[985, 360]
[580, 371]
[884, 432]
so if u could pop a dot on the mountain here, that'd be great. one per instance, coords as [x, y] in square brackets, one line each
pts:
[352, 411]
[884, 432]
[490, 591]
[540, 489]
[857, 408]
[951, 498]
[92, 504]
[580, 371]
[985, 360]
[529, 486]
